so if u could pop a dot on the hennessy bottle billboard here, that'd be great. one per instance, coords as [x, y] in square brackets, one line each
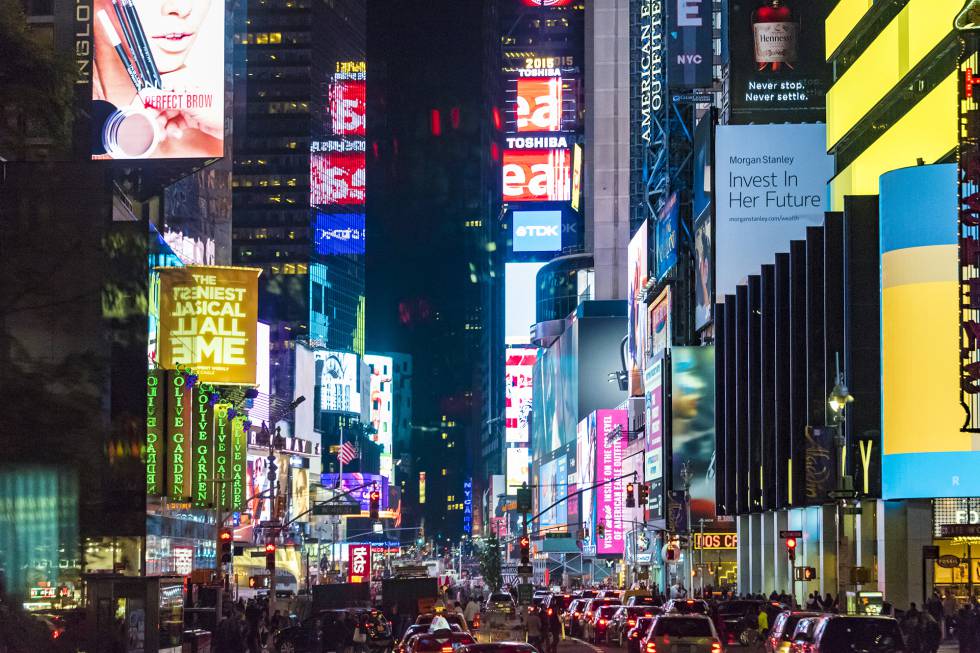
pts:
[775, 33]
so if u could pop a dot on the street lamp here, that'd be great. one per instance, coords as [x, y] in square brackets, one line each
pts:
[686, 477]
[837, 401]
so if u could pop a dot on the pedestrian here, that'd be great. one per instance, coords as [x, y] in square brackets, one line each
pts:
[532, 625]
[813, 602]
[554, 622]
[763, 621]
[470, 611]
[931, 633]
[950, 608]
[964, 629]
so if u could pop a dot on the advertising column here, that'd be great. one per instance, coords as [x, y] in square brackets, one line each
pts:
[179, 472]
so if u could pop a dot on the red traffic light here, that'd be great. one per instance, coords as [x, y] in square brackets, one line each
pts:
[270, 548]
[224, 536]
[791, 543]
[375, 495]
[525, 541]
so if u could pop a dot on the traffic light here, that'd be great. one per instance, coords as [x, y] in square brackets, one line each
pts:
[224, 545]
[644, 495]
[525, 550]
[375, 501]
[600, 530]
[630, 502]
[270, 557]
[791, 548]
[805, 573]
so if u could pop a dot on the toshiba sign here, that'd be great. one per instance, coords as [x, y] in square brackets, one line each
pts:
[537, 231]
[536, 176]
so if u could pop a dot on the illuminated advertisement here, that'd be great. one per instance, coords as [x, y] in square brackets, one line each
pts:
[421, 487]
[703, 296]
[366, 483]
[237, 461]
[203, 448]
[338, 232]
[585, 462]
[156, 390]
[546, 3]
[257, 482]
[536, 175]
[660, 328]
[337, 178]
[636, 255]
[925, 452]
[520, 285]
[348, 107]
[222, 453]
[577, 156]
[552, 486]
[518, 467]
[179, 407]
[208, 322]
[611, 447]
[468, 506]
[337, 372]
[692, 434]
[653, 457]
[381, 408]
[778, 69]
[538, 107]
[770, 185]
[359, 563]
[537, 231]
[667, 221]
[158, 80]
[689, 50]
[519, 366]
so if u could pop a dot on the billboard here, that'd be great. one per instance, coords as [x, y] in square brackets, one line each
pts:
[770, 185]
[348, 107]
[778, 69]
[660, 327]
[359, 563]
[692, 434]
[202, 455]
[158, 80]
[337, 178]
[538, 107]
[536, 175]
[546, 3]
[382, 408]
[520, 301]
[518, 464]
[156, 400]
[537, 231]
[552, 486]
[179, 466]
[610, 497]
[689, 49]
[208, 322]
[585, 466]
[703, 283]
[337, 375]
[351, 480]
[577, 161]
[653, 429]
[667, 222]
[338, 232]
[636, 255]
[519, 370]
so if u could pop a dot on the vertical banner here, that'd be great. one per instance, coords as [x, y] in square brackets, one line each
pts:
[208, 322]
[612, 440]
[178, 437]
[222, 454]
[155, 402]
[689, 51]
[359, 563]
[638, 270]
[236, 468]
[819, 457]
[203, 456]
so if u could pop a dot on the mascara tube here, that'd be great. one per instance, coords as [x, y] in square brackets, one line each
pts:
[127, 33]
[139, 35]
[117, 44]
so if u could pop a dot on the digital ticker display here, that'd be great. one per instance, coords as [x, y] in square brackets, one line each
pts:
[537, 175]
[338, 232]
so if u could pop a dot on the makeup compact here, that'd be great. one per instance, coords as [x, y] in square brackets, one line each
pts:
[130, 133]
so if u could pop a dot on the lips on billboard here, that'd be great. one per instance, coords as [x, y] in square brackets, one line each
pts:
[536, 175]
[348, 107]
[337, 178]
[539, 104]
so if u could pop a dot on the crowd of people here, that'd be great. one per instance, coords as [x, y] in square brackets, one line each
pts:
[247, 626]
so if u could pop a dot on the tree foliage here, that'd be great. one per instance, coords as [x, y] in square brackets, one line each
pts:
[490, 565]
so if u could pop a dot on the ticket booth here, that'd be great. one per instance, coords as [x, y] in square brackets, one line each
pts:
[142, 614]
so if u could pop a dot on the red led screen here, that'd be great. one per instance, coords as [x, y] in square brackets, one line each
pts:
[347, 107]
[539, 107]
[536, 175]
[546, 3]
[337, 178]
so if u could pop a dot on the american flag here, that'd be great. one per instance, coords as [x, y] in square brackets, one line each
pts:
[348, 452]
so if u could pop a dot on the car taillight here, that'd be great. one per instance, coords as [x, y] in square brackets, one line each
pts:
[577, 614]
[715, 647]
[602, 622]
[651, 647]
[55, 634]
[632, 622]
[633, 634]
[446, 649]
[550, 612]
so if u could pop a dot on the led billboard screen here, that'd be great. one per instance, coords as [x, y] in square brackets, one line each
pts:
[546, 3]
[382, 408]
[689, 50]
[537, 231]
[585, 463]
[337, 374]
[518, 467]
[351, 480]
[667, 221]
[653, 459]
[609, 465]
[519, 301]
[542, 101]
[537, 175]
[552, 486]
[208, 322]
[348, 107]
[158, 83]
[337, 178]
[778, 69]
[337, 232]
[519, 368]
[770, 185]
[636, 255]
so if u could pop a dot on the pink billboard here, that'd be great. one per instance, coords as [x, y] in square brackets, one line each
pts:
[609, 464]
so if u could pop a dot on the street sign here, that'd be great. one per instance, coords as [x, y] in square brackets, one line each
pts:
[525, 592]
[842, 494]
[960, 530]
[508, 569]
[256, 554]
[948, 561]
[524, 499]
[557, 536]
[784, 534]
[525, 570]
[588, 550]
[336, 509]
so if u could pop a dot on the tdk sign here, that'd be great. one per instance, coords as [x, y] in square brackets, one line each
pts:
[537, 231]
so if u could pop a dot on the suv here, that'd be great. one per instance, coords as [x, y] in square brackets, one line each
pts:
[834, 633]
[637, 633]
[737, 617]
[686, 606]
[624, 619]
[691, 633]
[574, 615]
[557, 604]
[610, 594]
[501, 603]
[597, 625]
[641, 599]
[782, 628]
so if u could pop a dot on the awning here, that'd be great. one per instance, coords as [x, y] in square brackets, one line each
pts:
[559, 545]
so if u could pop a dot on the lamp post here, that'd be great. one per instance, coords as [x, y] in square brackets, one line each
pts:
[686, 477]
[837, 403]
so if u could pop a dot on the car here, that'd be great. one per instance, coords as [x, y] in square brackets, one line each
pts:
[454, 619]
[686, 606]
[737, 617]
[501, 603]
[573, 616]
[636, 633]
[439, 638]
[498, 647]
[557, 603]
[641, 599]
[624, 619]
[781, 630]
[307, 635]
[585, 594]
[537, 603]
[837, 633]
[610, 594]
[691, 633]
[414, 629]
[588, 612]
[597, 625]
